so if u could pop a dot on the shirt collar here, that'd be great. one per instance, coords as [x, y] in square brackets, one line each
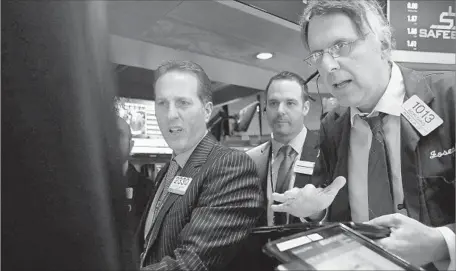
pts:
[182, 158]
[391, 101]
[296, 143]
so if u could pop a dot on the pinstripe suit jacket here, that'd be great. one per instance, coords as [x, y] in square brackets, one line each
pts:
[205, 228]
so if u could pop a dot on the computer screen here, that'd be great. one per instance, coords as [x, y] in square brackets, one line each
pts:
[341, 252]
[333, 247]
[140, 115]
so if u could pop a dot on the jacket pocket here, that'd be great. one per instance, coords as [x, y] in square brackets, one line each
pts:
[439, 195]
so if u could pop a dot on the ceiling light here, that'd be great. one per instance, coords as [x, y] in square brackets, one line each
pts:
[264, 56]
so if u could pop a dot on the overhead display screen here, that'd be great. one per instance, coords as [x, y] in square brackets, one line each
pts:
[424, 30]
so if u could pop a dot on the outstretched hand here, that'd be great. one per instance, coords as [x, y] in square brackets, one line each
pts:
[307, 201]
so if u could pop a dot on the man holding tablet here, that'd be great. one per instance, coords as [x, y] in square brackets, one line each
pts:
[394, 144]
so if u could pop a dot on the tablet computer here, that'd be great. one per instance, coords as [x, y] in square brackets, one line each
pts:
[334, 247]
[275, 232]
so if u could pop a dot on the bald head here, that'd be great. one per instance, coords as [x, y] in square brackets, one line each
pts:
[125, 137]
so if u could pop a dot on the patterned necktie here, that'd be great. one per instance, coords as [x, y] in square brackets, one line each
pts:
[380, 197]
[283, 178]
[167, 180]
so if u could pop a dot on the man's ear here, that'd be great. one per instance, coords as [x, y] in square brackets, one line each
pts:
[305, 108]
[385, 50]
[208, 107]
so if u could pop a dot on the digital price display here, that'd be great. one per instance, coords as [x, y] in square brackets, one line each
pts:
[424, 31]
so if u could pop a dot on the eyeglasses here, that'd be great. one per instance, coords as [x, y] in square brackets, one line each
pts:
[342, 48]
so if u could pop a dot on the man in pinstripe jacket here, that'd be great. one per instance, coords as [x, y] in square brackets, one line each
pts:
[208, 196]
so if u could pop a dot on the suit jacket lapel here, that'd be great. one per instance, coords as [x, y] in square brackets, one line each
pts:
[414, 85]
[263, 168]
[340, 208]
[190, 170]
[309, 153]
[409, 163]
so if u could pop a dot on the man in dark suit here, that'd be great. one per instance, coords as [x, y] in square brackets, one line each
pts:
[291, 147]
[394, 142]
[287, 104]
[209, 196]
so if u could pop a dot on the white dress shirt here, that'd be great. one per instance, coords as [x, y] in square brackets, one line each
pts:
[277, 158]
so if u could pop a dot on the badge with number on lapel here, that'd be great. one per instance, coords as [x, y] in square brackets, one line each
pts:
[304, 167]
[179, 185]
[129, 192]
[420, 115]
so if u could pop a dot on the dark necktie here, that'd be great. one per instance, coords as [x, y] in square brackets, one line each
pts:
[167, 180]
[380, 197]
[283, 178]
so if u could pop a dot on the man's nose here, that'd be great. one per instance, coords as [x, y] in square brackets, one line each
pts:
[281, 108]
[172, 112]
[328, 63]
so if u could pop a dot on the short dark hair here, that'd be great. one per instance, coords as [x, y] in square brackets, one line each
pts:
[286, 75]
[204, 84]
[367, 15]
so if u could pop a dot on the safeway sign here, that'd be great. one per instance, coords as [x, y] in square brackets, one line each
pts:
[424, 26]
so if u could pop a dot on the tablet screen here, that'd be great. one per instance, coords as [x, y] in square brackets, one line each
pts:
[335, 249]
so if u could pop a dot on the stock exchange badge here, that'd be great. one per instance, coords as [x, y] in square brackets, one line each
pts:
[420, 115]
[179, 185]
[129, 192]
[304, 167]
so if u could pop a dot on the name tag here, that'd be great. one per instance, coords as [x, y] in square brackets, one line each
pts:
[179, 185]
[304, 167]
[421, 116]
[129, 192]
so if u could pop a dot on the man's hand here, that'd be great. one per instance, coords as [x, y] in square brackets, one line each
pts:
[309, 200]
[412, 240]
